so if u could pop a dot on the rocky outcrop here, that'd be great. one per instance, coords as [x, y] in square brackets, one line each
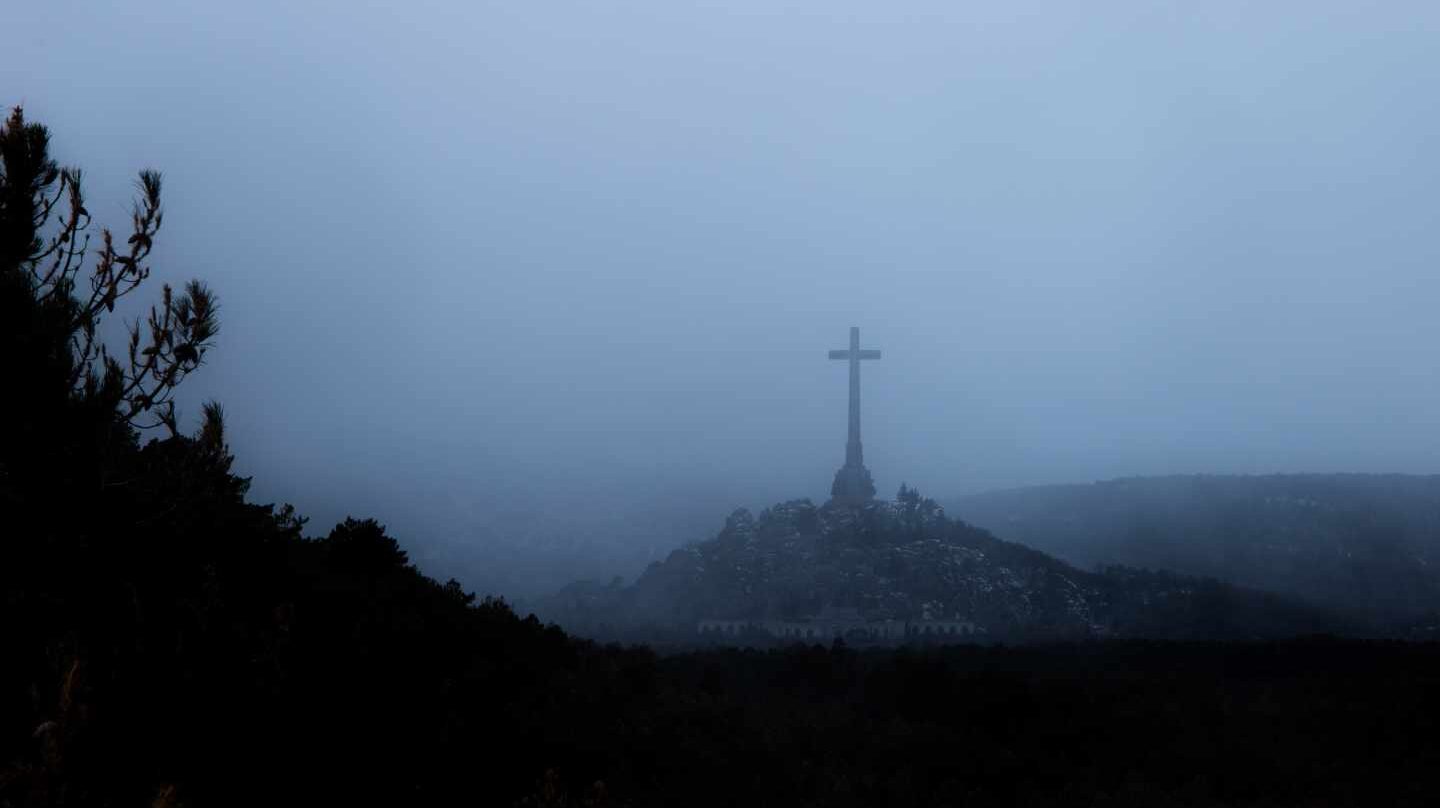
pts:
[906, 561]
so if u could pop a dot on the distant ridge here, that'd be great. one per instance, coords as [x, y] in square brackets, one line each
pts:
[1366, 544]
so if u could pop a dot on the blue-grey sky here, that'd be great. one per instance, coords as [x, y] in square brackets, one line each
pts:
[566, 273]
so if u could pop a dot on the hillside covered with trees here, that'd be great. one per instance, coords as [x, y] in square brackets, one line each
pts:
[907, 561]
[1364, 544]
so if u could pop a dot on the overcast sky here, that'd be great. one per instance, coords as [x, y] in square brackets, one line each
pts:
[478, 255]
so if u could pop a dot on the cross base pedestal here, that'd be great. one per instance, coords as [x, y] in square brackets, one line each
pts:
[853, 486]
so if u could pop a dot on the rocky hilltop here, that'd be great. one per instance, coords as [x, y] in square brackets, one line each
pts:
[906, 561]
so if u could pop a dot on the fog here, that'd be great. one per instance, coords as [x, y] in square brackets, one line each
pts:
[548, 288]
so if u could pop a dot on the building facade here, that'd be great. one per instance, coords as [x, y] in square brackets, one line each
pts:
[845, 624]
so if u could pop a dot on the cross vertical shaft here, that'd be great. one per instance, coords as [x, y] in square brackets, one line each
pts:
[853, 485]
[854, 454]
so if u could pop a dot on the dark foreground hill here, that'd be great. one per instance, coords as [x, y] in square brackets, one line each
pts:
[1365, 544]
[906, 561]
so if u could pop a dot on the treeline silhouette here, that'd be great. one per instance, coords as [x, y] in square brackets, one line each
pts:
[165, 642]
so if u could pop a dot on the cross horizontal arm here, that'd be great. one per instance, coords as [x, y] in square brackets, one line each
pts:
[866, 354]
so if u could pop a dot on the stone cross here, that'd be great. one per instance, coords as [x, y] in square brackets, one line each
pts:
[853, 485]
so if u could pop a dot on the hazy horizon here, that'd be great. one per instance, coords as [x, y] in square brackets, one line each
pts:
[497, 274]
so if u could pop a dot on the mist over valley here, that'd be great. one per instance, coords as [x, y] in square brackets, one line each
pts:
[719, 404]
